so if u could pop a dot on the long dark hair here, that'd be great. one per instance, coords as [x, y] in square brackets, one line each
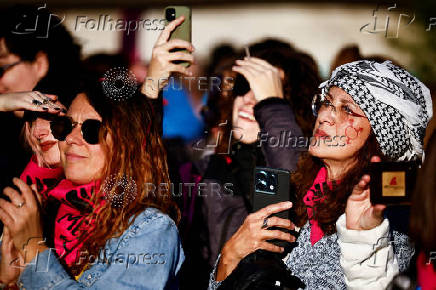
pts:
[50, 37]
[423, 212]
[301, 77]
[333, 206]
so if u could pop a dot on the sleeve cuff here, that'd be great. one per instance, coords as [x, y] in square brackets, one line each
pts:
[213, 284]
[44, 269]
[371, 237]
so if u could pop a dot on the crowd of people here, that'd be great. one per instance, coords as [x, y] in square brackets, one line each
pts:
[112, 191]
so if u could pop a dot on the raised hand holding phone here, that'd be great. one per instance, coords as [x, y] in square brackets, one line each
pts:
[182, 31]
[162, 61]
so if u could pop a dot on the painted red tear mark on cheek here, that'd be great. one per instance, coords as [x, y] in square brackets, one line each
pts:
[352, 133]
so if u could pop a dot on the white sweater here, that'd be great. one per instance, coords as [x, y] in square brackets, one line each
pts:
[367, 257]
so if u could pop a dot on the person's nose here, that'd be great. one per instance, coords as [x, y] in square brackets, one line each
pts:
[249, 98]
[327, 115]
[75, 137]
[41, 128]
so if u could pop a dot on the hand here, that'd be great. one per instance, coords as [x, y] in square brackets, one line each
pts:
[264, 79]
[161, 64]
[22, 217]
[360, 213]
[26, 101]
[251, 237]
[11, 260]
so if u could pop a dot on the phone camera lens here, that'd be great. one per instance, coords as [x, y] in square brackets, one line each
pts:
[170, 14]
[266, 182]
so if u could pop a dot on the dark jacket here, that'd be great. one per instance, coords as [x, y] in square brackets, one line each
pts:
[227, 198]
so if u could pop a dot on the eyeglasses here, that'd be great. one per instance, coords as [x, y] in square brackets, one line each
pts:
[62, 126]
[5, 67]
[323, 102]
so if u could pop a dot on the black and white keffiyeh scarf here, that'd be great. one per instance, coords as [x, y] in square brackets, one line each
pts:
[397, 104]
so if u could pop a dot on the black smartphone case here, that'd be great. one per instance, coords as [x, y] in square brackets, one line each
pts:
[262, 199]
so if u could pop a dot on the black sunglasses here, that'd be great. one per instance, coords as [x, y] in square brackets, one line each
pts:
[4, 68]
[241, 86]
[31, 116]
[62, 126]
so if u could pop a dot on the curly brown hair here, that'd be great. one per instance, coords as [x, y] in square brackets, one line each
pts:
[135, 151]
[333, 206]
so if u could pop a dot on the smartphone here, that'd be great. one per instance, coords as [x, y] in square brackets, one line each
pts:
[271, 186]
[183, 31]
[392, 183]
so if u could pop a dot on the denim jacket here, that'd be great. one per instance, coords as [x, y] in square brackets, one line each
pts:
[148, 255]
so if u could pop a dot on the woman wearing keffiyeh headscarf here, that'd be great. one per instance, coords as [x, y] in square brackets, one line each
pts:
[366, 112]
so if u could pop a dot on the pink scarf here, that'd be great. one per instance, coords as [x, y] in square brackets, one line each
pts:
[426, 273]
[70, 219]
[314, 196]
[44, 178]
[75, 205]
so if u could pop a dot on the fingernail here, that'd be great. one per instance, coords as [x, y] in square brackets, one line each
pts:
[45, 108]
[57, 109]
[64, 111]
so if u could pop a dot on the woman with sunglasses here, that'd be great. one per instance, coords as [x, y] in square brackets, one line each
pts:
[43, 175]
[381, 111]
[46, 60]
[239, 150]
[111, 229]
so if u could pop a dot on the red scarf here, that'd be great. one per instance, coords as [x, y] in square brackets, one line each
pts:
[75, 205]
[314, 196]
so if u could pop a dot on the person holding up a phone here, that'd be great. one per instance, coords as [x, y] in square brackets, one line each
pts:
[268, 100]
[345, 242]
[163, 60]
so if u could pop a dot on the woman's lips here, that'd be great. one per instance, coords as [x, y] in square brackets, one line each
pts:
[47, 145]
[320, 133]
[74, 157]
[247, 116]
